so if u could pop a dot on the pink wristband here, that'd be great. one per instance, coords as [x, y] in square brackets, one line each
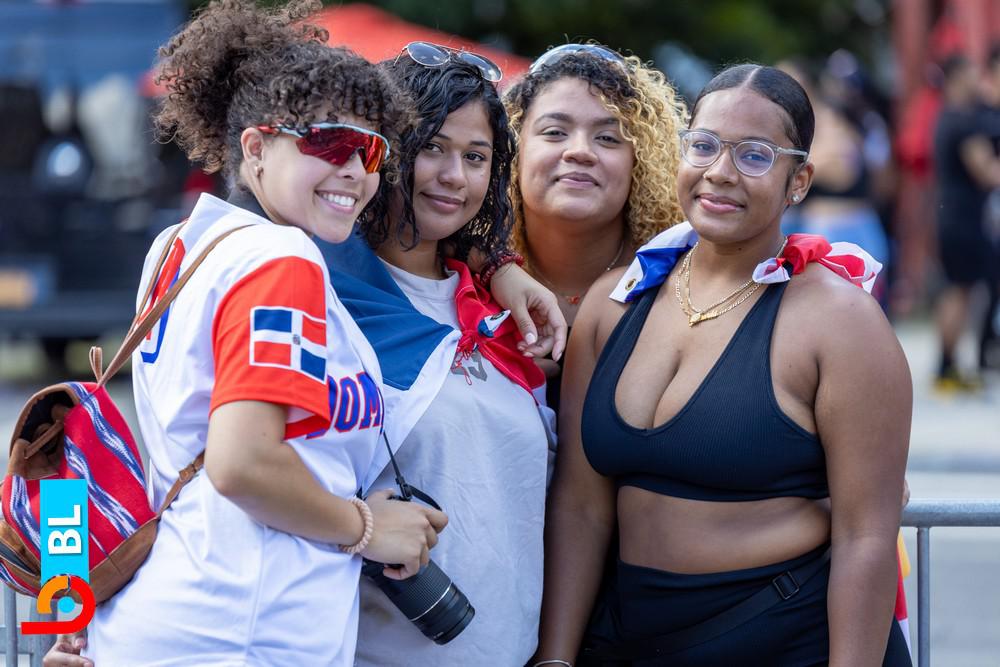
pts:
[369, 520]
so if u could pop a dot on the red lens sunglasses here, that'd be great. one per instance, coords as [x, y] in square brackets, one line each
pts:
[337, 143]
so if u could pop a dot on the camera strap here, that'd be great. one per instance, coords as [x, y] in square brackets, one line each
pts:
[406, 490]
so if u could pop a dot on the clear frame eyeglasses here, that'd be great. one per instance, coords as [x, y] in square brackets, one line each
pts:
[752, 157]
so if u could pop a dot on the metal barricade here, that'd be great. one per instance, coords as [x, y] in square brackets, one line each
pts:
[15, 644]
[922, 515]
[919, 514]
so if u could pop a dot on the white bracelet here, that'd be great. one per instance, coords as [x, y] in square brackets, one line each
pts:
[553, 662]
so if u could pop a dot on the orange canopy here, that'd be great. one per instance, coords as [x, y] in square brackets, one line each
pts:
[376, 35]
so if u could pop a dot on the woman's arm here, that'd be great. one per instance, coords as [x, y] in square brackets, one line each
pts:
[534, 308]
[580, 510]
[248, 463]
[863, 409]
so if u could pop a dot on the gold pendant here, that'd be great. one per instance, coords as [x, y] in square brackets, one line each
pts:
[695, 318]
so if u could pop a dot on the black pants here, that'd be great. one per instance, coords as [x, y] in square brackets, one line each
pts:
[642, 603]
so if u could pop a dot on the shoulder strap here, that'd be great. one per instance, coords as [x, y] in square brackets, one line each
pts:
[141, 327]
[138, 331]
[183, 477]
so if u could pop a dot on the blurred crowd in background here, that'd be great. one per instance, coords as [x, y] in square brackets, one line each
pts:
[906, 94]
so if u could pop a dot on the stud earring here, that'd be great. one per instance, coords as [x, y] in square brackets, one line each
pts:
[795, 198]
[258, 170]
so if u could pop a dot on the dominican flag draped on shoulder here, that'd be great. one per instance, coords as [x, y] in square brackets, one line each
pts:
[415, 352]
[654, 261]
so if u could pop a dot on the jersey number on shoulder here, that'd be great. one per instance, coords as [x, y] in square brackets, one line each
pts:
[150, 348]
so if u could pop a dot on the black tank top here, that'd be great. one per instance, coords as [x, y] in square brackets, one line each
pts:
[730, 442]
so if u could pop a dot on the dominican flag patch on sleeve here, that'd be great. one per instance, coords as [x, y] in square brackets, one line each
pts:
[269, 341]
[288, 338]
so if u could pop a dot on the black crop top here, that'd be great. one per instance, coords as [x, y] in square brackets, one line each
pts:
[730, 442]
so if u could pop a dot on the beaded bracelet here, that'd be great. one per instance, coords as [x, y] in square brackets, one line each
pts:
[366, 516]
[493, 264]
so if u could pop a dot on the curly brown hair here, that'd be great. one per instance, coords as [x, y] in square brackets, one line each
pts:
[651, 115]
[436, 93]
[237, 65]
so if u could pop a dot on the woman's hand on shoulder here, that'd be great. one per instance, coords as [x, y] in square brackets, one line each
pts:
[404, 534]
[535, 310]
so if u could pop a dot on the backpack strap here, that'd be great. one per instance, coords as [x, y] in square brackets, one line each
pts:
[183, 477]
[142, 326]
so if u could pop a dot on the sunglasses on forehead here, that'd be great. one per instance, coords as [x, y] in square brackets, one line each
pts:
[563, 50]
[436, 55]
[337, 143]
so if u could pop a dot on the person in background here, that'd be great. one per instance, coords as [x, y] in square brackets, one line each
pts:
[989, 334]
[594, 176]
[967, 168]
[839, 206]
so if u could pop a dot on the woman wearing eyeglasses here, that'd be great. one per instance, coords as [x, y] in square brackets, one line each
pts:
[473, 435]
[256, 359]
[740, 410]
[595, 172]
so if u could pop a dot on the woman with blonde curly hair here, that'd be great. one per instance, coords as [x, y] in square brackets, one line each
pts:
[594, 176]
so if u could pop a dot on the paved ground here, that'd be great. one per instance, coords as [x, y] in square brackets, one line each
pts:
[954, 453]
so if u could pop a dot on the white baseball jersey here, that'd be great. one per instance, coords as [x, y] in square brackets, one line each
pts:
[257, 321]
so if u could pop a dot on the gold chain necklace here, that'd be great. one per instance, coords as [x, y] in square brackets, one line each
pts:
[696, 315]
[574, 299]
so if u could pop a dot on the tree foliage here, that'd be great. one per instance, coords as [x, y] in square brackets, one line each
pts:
[720, 31]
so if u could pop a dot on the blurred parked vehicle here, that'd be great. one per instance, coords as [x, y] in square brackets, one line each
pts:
[83, 185]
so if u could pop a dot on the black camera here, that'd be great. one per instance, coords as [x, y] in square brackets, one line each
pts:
[430, 599]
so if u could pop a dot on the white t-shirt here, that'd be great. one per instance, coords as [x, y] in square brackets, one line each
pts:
[480, 450]
[257, 321]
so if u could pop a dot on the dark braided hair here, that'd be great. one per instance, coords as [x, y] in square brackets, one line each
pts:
[436, 92]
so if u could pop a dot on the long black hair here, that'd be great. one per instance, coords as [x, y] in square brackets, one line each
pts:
[435, 93]
[775, 85]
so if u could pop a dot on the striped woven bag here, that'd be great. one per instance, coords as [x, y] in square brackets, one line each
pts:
[74, 430]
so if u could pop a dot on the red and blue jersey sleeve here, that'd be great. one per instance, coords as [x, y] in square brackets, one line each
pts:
[269, 340]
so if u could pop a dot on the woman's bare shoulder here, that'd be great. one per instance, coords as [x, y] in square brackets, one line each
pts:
[840, 318]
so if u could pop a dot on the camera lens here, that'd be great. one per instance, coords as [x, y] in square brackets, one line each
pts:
[429, 599]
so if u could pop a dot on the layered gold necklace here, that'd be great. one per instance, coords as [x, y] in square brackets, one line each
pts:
[720, 307]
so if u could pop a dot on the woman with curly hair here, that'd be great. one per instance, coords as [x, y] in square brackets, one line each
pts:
[258, 366]
[594, 176]
[474, 436]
